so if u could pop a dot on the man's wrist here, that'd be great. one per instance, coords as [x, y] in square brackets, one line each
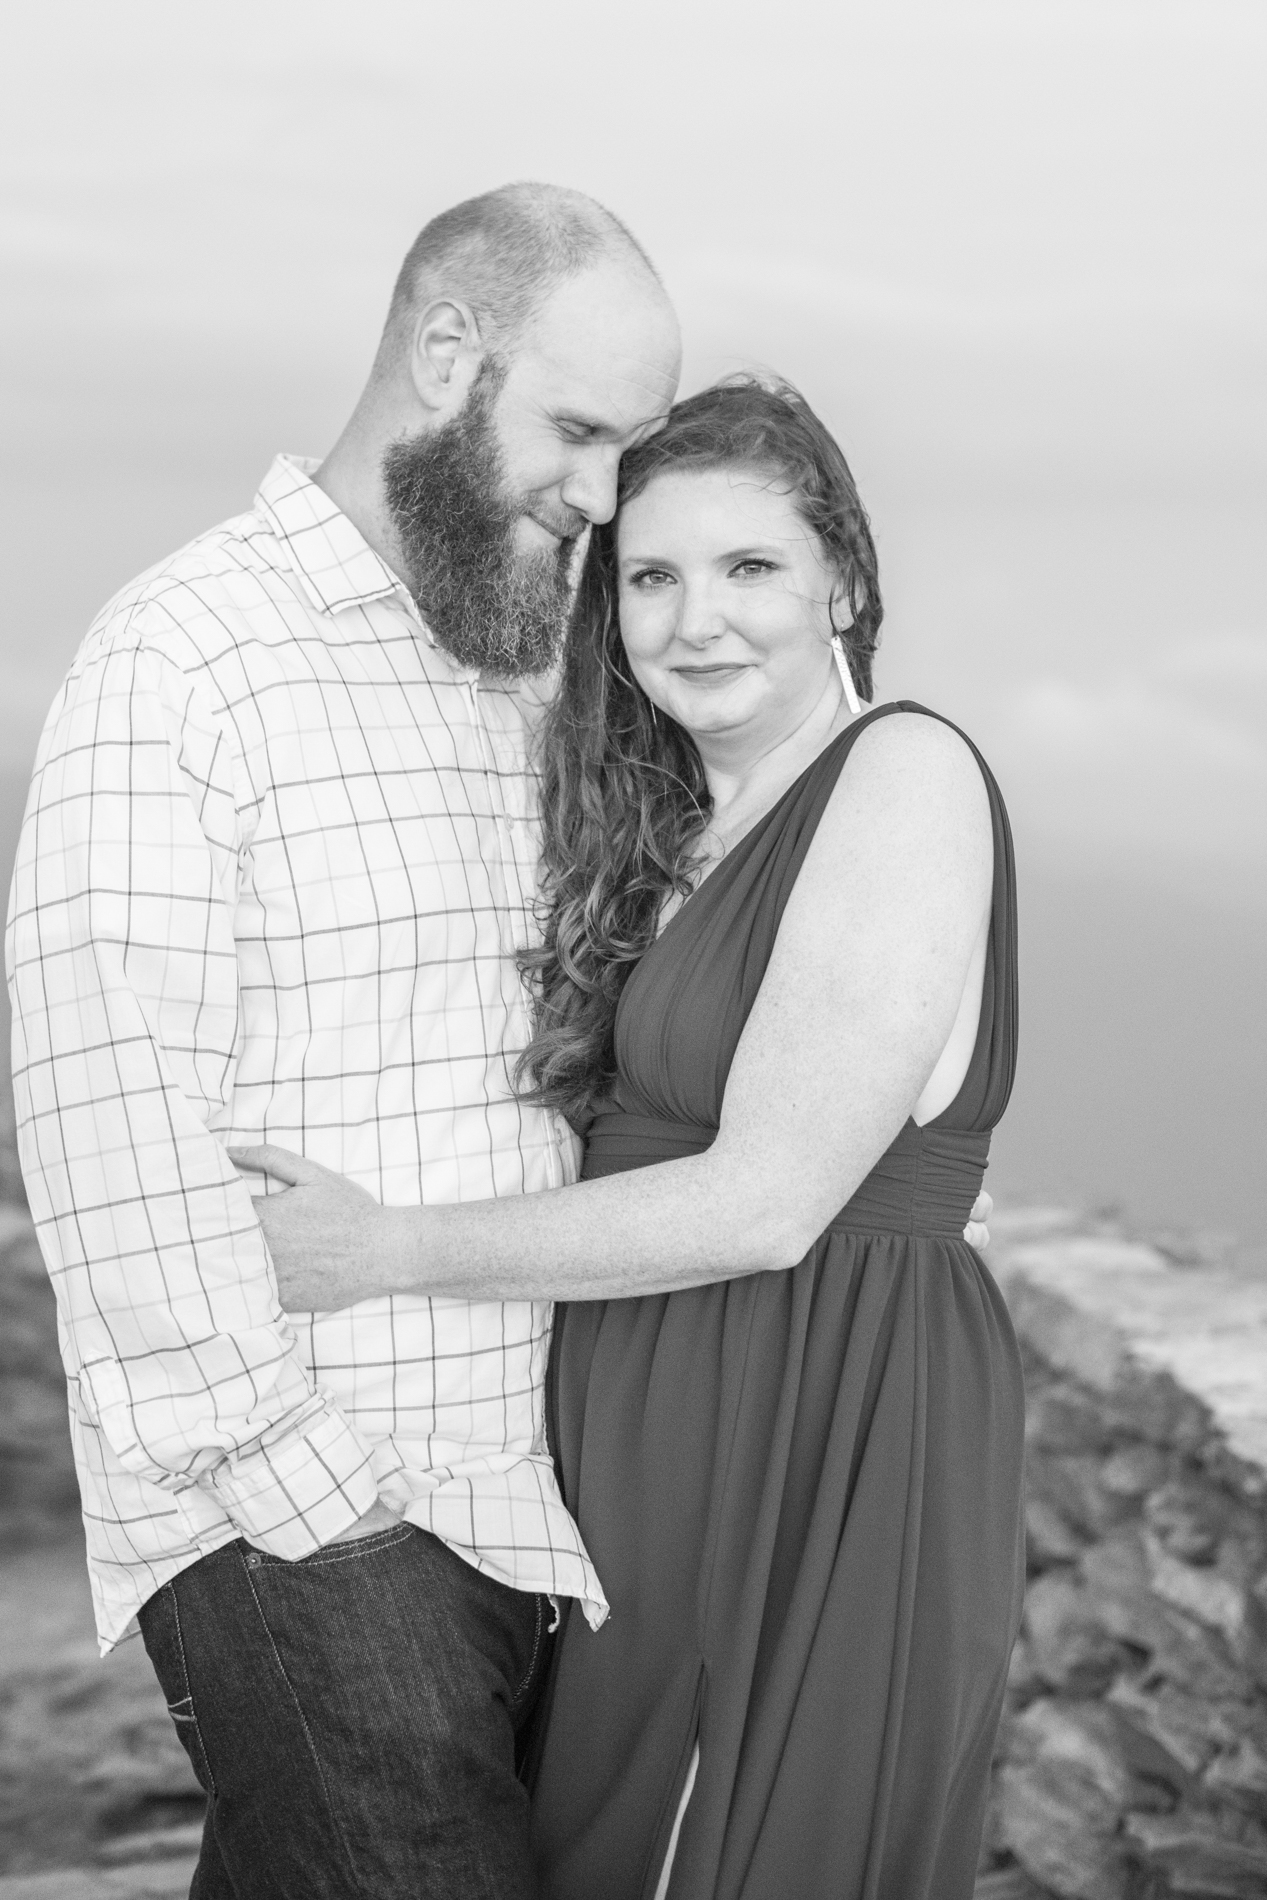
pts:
[379, 1517]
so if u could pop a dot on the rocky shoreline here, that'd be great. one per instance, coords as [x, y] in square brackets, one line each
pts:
[1132, 1762]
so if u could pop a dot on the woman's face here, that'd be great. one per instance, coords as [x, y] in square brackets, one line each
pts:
[725, 603]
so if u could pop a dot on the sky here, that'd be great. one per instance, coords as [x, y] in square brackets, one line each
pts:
[1017, 257]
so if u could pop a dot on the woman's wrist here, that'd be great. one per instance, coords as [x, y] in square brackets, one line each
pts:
[397, 1249]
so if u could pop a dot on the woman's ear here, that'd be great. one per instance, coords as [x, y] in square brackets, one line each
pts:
[839, 611]
[446, 355]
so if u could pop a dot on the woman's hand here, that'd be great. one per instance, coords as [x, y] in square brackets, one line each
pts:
[327, 1237]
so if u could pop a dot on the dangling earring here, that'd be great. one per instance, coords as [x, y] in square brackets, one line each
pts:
[846, 678]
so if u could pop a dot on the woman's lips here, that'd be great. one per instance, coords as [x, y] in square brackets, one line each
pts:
[710, 672]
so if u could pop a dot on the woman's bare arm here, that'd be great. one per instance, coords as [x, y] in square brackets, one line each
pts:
[863, 986]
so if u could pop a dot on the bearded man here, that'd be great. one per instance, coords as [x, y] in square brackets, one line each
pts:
[278, 858]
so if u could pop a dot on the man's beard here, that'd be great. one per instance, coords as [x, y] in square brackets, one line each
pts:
[488, 603]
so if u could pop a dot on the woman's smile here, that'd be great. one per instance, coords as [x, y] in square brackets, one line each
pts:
[711, 669]
[725, 605]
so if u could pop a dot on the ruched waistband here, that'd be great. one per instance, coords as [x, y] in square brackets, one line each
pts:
[924, 1184]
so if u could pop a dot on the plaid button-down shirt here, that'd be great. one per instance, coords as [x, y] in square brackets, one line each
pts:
[278, 855]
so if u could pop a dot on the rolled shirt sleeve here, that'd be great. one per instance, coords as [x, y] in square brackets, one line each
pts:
[123, 977]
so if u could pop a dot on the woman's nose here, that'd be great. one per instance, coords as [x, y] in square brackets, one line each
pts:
[702, 618]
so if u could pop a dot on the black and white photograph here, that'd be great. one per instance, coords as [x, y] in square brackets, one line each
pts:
[633, 800]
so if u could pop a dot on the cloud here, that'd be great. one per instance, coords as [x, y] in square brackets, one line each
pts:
[1169, 762]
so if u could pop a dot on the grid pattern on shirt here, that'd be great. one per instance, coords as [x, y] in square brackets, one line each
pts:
[277, 858]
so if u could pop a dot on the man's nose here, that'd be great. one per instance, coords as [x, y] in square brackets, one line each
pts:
[590, 486]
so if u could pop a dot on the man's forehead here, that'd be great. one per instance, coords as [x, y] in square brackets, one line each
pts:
[598, 356]
[613, 398]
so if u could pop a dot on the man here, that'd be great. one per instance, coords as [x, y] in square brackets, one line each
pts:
[278, 857]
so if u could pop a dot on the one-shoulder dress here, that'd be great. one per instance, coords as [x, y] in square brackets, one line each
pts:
[802, 1489]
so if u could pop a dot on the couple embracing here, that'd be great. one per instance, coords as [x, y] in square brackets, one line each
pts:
[485, 844]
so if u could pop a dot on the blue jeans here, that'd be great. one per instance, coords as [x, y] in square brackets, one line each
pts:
[353, 1718]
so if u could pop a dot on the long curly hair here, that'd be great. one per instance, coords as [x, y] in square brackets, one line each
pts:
[624, 796]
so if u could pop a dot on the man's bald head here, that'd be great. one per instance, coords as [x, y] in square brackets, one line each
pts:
[503, 254]
[529, 344]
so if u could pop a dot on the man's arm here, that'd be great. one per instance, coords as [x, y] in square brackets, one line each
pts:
[123, 979]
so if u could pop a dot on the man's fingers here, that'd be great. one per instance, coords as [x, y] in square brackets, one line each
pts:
[278, 1163]
[977, 1234]
[982, 1207]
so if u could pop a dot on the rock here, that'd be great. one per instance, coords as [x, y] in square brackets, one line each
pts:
[1023, 1678]
[170, 1843]
[1061, 1418]
[1239, 1777]
[1134, 1470]
[1188, 1520]
[1216, 1600]
[1197, 1857]
[87, 1749]
[1195, 1250]
[39, 1494]
[1006, 1883]
[1061, 1826]
[1072, 1342]
[1177, 1354]
[1069, 1648]
[1164, 1732]
[1070, 1484]
[1085, 1735]
[167, 1880]
[1120, 1599]
[1049, 1537]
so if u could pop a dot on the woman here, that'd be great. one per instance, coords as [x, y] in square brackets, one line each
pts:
[779, 973]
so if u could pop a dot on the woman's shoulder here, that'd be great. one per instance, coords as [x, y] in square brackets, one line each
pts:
[902, 754]
[901, 732]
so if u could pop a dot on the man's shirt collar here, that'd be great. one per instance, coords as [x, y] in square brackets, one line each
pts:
[333, 560]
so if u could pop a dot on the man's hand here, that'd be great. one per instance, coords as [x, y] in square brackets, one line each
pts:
[976, 1233]
[377, 1518]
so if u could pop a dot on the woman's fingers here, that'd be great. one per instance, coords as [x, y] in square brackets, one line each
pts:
[278, 1163]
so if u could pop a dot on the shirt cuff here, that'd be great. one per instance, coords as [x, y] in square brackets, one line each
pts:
[292, 1496]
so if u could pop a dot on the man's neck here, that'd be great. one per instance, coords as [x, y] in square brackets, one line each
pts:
[352, 476]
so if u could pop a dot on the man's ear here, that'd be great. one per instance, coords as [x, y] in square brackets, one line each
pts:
[446, 355]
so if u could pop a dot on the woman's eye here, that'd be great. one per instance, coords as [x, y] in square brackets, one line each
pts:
[647, 577]
[753, 568]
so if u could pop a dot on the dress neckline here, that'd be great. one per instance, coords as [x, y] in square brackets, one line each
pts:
[739, 849]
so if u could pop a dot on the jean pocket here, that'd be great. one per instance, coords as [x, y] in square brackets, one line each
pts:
[350, 1548]
[165, 1646]
[539, 1642]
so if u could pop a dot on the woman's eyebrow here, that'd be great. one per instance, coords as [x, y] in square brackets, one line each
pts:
[763, 550]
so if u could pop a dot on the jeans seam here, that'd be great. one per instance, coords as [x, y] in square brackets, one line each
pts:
[312, 1746]
[189, 1694]
[522, 1690]
[339, 1554]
